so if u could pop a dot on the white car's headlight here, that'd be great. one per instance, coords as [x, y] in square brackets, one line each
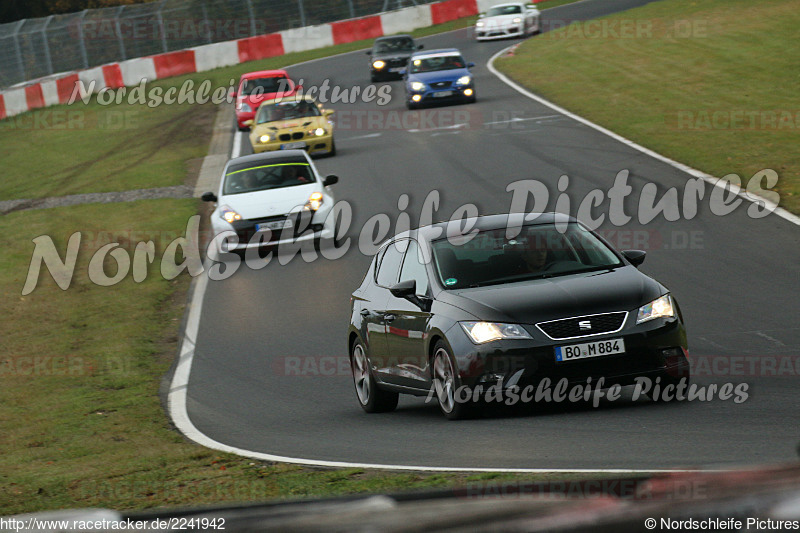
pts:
[229, 215]
[464, 80]
[417, 86]
[516, 20]
[314, 201]
[245, 108]
[264, 139]
[658, 308]
[480, 24]
[378, 64]
[481, 332]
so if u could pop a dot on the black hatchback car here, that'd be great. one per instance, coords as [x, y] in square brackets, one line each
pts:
[389, 55]
[440, 313]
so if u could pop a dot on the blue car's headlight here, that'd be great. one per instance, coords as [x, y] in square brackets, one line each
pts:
[464, 80]
[417, 86]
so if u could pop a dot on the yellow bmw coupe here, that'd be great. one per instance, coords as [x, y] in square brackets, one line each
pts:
[292, 123]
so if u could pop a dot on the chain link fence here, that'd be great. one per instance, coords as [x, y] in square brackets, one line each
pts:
[36, 48]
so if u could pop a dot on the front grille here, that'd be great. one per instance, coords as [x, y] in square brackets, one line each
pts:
[571, 327]
[297, 135]
[440, 85]
[397, 62]
[285, 137]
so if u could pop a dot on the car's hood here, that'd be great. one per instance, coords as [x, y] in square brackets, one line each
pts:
[392, 55]
[439, 75]
[271, 202]
[501, 20]
[279, 125]
[529, 302]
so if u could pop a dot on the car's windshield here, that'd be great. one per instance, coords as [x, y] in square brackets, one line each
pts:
[429, 64]
[399, 44]
[258, 86]
[539, 251]
[287, 110]
[503, 10]
[264, 177]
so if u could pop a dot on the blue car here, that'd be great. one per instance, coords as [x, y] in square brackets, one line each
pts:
[438, 76]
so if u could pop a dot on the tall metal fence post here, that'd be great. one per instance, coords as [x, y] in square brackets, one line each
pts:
[352, 11]
[47, 57]
[18, 50]
[206, 23]
[161, 26]
[82, 40]
[252, 18]
[117, 15]
[302, 13]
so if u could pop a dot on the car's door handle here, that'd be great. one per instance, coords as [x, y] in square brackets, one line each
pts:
[365, 312]
[389, 318]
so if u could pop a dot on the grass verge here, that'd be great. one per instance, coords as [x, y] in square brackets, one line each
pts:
[711, 84]
[80, 368]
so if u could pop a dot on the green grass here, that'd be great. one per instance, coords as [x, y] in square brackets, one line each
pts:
[676, 77]
[82, 424]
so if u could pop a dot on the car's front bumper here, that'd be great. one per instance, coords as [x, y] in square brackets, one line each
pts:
[653, 349]
[499, 31]
[318, 145]
[449, 94]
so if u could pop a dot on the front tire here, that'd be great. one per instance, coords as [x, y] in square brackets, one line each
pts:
[446, 382]
[371, 398]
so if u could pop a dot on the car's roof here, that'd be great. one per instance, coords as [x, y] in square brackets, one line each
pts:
[510, 4]
[480, 223]
[268, 158]
[386, 37]
[436, 53]
[263, 74]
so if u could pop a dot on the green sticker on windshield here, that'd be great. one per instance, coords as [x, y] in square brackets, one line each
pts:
[450, 281]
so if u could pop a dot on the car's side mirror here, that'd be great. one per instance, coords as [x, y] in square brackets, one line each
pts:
[636, 257]
[470, 64]
[368, 52]
[404, 289]
[209, 197]
[328, 112]
[330, 180]
[298, 87]
[247, 123]
[234, 94]
[481, 15]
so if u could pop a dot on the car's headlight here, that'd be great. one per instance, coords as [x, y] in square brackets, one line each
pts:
[319, 132]
[245, 108]
[378, 64]
[314, 201]
[264, 139]
[464, 80]
[417, 86]
[658, 308]
[480, 24]
[481, 332]
[516, 20]
[228, 214]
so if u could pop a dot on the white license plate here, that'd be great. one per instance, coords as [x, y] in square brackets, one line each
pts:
[396, 69]
[440, 94]
[280, 224]
[293, 146]
[589, 349]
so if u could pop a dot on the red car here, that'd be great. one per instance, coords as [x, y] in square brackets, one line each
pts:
[255, 87]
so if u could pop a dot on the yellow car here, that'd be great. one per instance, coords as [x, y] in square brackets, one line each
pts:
[292, 123]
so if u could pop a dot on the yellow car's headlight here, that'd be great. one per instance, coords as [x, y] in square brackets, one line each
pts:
[264, 139]
[319, 132]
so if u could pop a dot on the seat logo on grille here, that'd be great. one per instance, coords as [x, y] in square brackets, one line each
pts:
[584, 325]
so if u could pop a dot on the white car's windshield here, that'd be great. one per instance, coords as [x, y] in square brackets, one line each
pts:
[504, 10]
[263, 177]
[287, 110]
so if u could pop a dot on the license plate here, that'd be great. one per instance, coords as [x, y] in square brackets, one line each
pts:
[589, 349]
[395, 69]
[442, 93]
[280, 224]
[293, 146]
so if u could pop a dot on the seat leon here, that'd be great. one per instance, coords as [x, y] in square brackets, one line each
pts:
[511, 307]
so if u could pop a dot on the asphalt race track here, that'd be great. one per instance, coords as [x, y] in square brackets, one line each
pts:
[735, 277]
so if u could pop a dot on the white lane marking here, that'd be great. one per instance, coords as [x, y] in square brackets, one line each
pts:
[367, 136]
[236, 150]
[716, 182]
[176, 398]
[451, 127]
[517, 119]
